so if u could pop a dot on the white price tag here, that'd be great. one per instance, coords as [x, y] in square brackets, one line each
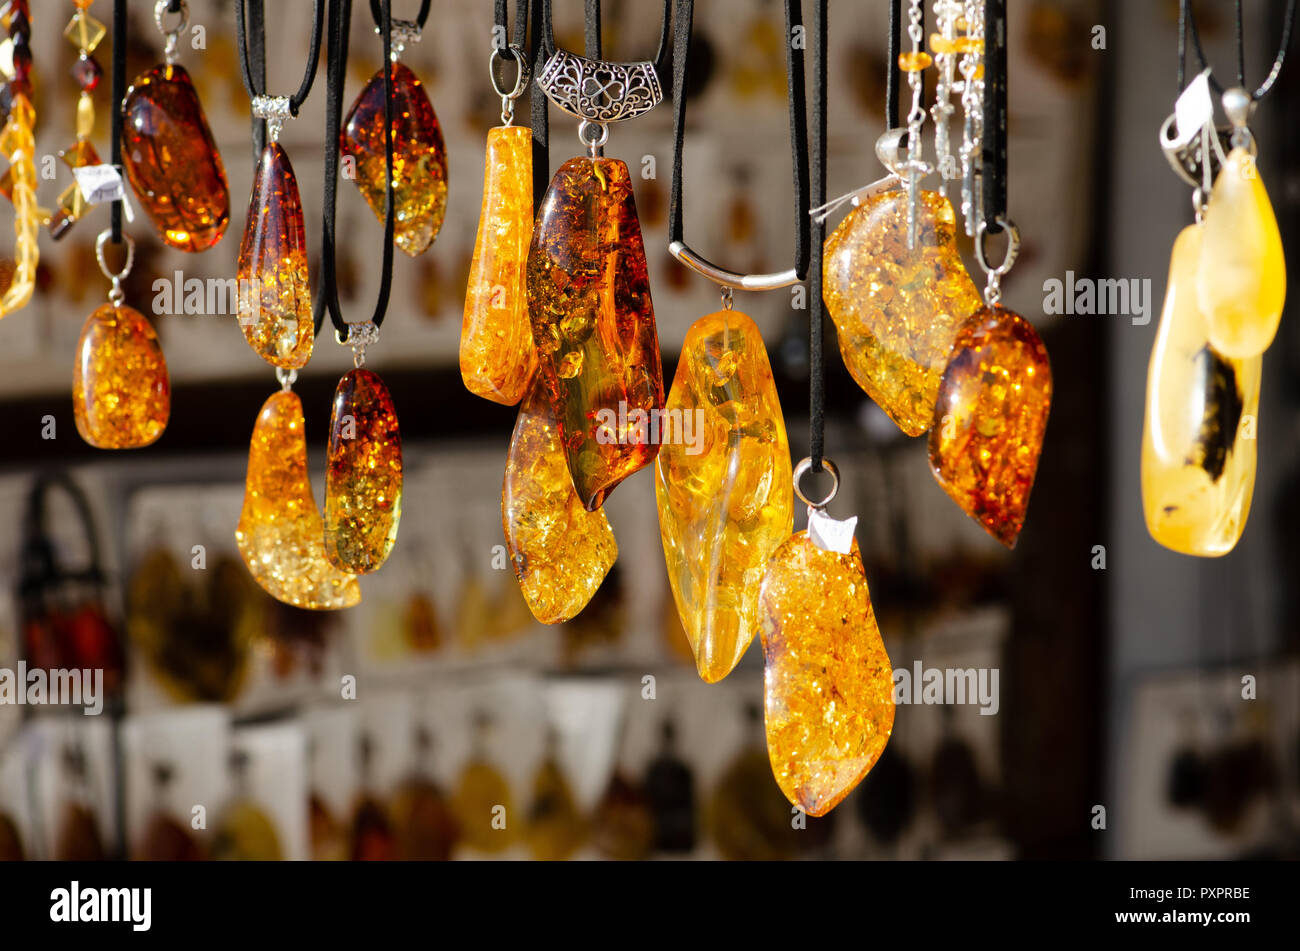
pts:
[103, 183]
[831, 534]
[1194, 109]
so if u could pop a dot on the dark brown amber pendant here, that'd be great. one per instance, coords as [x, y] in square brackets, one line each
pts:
[120, 390]
[594, 325]
[172, 159]
[363, 480]
[419, 157]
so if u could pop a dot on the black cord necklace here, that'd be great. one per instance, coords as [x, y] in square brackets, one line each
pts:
[1187, 18]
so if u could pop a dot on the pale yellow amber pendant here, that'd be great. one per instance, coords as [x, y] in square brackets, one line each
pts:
[722, 484]
[828, 684]
[1198, 434]
[1241, 277]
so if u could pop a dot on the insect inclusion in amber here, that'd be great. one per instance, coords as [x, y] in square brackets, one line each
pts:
[121, 395]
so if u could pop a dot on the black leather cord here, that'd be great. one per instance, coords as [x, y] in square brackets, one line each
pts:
[892, 77]
[501, 18]
[1188, 16]
[816, 307]
[119, 93]
[421, 18]
[591, 32]
[256, 85]
[993, 167]
[539, 104]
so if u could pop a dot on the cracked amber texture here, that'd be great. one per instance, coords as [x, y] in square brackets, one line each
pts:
[121, 396]
[827, 684]
[497, 356]
[19, 185]
[896, 309]
[419, 157]
[280, 533]
[274, 294]
[990, 418]
[594, 324]
[1198, 454]
[723, 493]
[363, 482]
[560, 551]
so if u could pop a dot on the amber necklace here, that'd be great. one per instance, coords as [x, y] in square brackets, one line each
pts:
[19, 150]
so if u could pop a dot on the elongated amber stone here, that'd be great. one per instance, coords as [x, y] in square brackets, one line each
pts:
[990, 418]
[172, 159]
[827, 684]
[363, 481]
[19, 185]
[280, 534]
[594, 324]
[419, 157]
[896, 309]
[121, 396]
[560, 551]
[1241, 281]
[722, 484]
[497, 356]
[1198, 435]
[274, 293]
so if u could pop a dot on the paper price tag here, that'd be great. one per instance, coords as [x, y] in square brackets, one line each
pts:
[1194, 108]
[831, 534]
[103, 183]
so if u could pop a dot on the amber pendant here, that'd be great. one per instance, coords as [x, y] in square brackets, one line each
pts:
[280, 533]
[560, 551]
[172, 159]
[1198, 434]
[363, 482]
[722, 484]
[274, 295]
[989, 419]
[897, 310]
[827, 684]
[497, 356]
[419, 157]
[121, 396]
[594, 325]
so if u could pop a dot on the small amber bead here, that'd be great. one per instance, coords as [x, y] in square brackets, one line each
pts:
[969, 44]
[915, 61]
[941, 45]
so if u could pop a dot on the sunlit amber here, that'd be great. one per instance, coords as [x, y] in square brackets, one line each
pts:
[19, 185]
[121, 396]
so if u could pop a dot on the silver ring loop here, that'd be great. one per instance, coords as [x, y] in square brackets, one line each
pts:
[522, 75]
[160, 11]
[1013, 245]
[803, 468]
[103, 239]
[596, 143]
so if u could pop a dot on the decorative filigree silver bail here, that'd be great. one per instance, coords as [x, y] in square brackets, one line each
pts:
[403, 34]
[276, 111]
[361, 335]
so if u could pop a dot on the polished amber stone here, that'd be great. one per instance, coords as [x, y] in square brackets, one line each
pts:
[172, 159]
[274, 293]
[480, 790]
[280, 533]
[724, 494]
[896, 309]
[594, 325]
[363, 482]
[19, 186]
[1198, 459]
[121, 396]
[989, 419]
[497, 356]
[1241, 281]
[827, 684]
[555, 827]
[560, 552]
[419, 157]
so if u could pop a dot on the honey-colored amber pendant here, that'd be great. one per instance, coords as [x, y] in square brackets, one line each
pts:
[280, 534]
[989, 419]
[897, 310]
[1198, 434]
[722, 484]
[497, 356]
[18, 184]
[172, 159]
[560, 551]
[827, 684]
[274, 294]
[121, 396]
[594, 324]
[363, 481]
[419, 157]
[1241, 280]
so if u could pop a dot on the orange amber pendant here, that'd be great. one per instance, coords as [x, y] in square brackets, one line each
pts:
[121, 396]
[274, 294]
[594, 324]
[419, 157]
[363, 481]
[989, 419]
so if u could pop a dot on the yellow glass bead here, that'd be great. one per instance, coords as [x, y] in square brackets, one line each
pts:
[85, 116]
[84, 31]
[915, 61]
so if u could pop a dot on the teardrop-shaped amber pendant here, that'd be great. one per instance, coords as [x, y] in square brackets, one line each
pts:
[827, 683]
[1198, 434]
[722, 484]
[594, 324]
[1241, 280]
[121, 396]
[419, 157]
[989, 419]
[897, 309]
[280, 534]
[363, 482]
[497, 356]
[172, 159]
[274, 294]
[560, 551]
